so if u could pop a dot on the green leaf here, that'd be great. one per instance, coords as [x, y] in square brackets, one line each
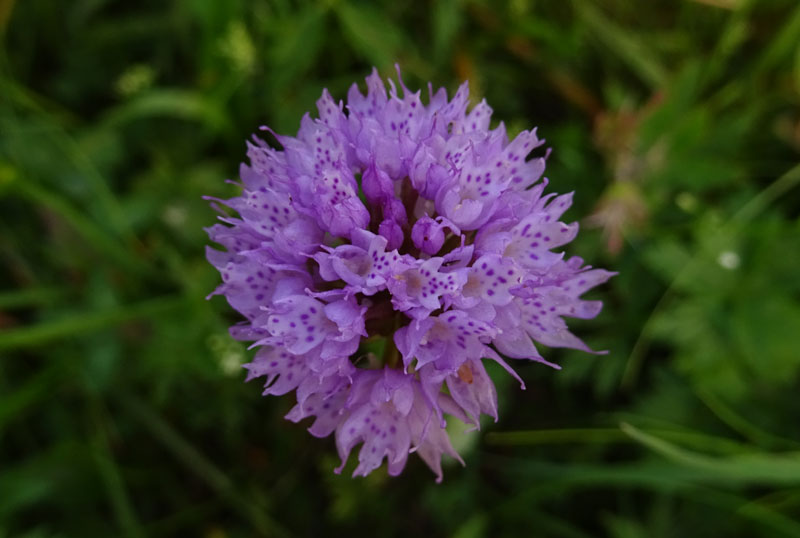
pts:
[609, 436]
[298, 42]
[783, 45]
[170, 103]
[447, 20]
[474, 527]
[759, 468]
[94, 234]
[666, 258]
[14, 404]
[29, 297]
[623, 44]
[200, 465]
[44, 333]
[371, 34]
[765, 329]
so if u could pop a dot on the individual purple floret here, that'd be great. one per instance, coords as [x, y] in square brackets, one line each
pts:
[389, 224]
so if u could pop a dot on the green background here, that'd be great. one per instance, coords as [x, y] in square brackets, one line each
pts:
[122, 407]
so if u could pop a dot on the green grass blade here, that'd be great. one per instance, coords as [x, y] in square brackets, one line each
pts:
[118, 497]
[371, 34]
[611, 436]
[93, 234]
[172, 103]
[753, 468]
[46, 332]
[622, 44]
[757, 205]
[200, 465]
[111, 208]
[25, 298]
[33, 391]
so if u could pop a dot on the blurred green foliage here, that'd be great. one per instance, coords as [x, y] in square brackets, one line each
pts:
[122, 409]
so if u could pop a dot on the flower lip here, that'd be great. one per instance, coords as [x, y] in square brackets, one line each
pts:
[383, 253]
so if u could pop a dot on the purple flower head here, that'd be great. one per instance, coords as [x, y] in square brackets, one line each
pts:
[388, 220]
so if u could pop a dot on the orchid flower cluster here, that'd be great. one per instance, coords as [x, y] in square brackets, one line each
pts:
[408, 227]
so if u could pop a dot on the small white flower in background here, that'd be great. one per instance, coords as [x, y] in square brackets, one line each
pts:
[729, 260]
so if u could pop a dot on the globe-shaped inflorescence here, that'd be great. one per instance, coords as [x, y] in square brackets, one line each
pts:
[383, 254]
